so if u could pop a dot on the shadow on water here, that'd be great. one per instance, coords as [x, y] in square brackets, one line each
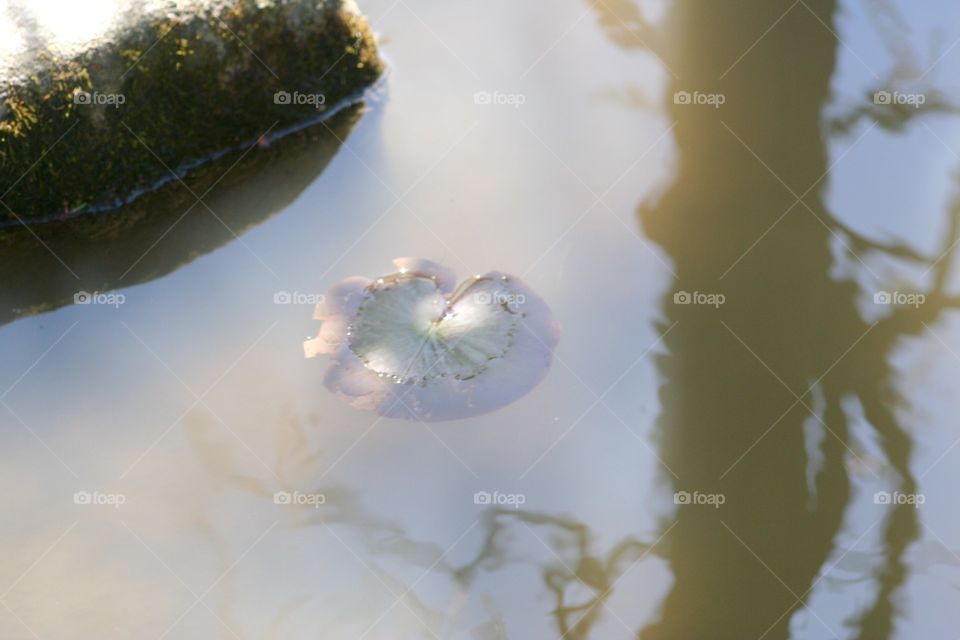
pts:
[788, 351]
[45, 265]
[300, 458]
[788, 354]
[743, 384]
[579, 581]
[789, 348]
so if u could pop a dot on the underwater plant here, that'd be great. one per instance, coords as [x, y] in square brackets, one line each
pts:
[415, 345]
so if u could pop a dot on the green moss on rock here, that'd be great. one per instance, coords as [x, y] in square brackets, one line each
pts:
[170, 93]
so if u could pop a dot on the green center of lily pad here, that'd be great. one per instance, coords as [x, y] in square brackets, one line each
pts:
[407, 331]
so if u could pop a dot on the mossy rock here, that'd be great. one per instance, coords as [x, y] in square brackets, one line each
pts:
[169, 93]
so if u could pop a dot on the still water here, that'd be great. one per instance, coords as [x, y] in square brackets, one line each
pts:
[739, 437]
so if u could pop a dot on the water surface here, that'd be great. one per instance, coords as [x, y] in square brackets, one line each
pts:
[545, 142]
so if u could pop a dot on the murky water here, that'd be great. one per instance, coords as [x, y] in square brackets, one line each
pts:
[749, 429]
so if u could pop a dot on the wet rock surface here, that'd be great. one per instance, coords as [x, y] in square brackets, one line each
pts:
[166, 92]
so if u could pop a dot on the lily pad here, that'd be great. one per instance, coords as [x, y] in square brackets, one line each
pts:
[414, 345]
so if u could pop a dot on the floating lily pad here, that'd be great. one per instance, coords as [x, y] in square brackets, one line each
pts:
[413, 345]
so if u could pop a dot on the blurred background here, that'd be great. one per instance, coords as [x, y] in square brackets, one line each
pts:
[742, 213]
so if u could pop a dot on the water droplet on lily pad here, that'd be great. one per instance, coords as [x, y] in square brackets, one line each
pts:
[415, 345]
